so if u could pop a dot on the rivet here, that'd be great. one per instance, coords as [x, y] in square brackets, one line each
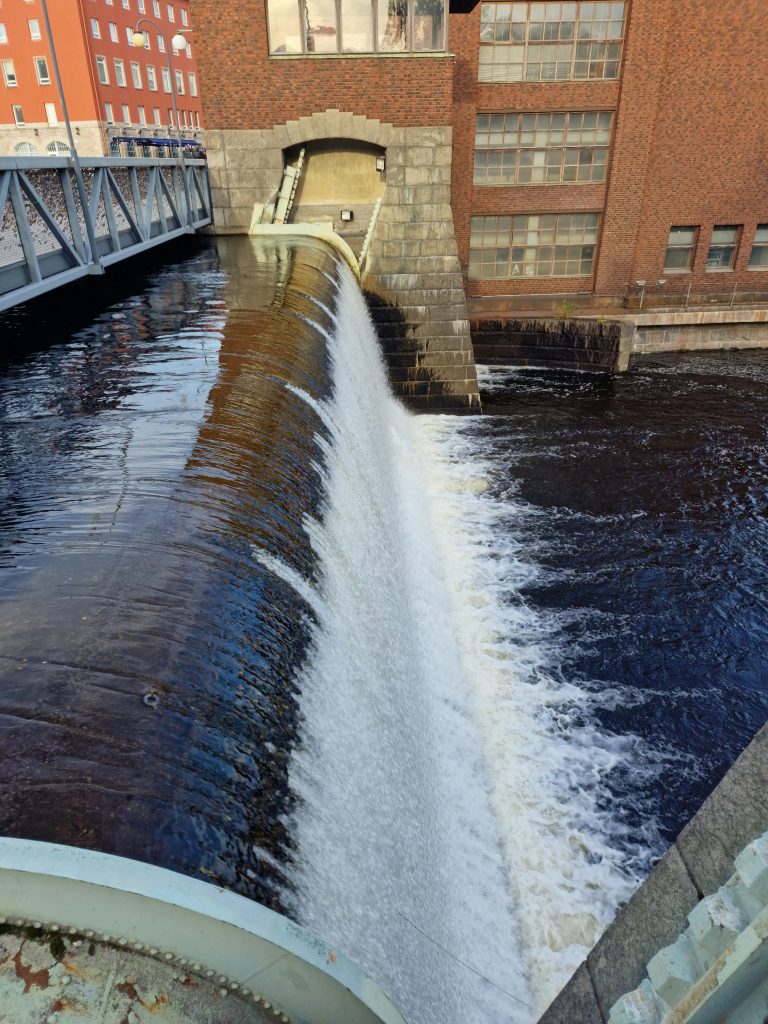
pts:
[89, 935]
[138, 945]
[54, 927]
[183, 962]
[222, 979]
[123, 942]
[234, 986]
[153, 951]
[209, 974]
[73, 931]
[267, 1006]
[37, 924]
[197, 967]
[106, 938]
[169, 956]
[223, 992]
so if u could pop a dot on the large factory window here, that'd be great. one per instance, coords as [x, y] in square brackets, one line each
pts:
[538, 149]
[550, 42]
[539, 245]
[356, 26]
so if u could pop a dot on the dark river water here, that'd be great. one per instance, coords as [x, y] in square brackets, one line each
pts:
[649, 495]
[441, 688]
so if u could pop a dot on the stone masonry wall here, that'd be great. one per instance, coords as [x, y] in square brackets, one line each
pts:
[574, 344]
[700, 861]
[412, 274]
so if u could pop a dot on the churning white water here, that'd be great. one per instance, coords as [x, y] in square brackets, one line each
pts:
[446, 830]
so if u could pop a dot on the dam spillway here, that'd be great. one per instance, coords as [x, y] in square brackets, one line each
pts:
[264, 628]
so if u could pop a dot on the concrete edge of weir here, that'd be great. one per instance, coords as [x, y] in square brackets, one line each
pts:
[700, 861]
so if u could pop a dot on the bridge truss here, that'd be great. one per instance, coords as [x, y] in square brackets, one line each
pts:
[125, 206]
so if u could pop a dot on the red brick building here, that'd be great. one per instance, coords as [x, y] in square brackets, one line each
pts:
[113, 88]
[594, 145]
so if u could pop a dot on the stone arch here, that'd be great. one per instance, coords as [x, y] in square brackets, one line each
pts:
[338, 124]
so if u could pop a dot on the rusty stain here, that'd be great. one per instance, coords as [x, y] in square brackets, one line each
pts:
[189, 983]
[129, 989]
[64, 1004]
[28, 976]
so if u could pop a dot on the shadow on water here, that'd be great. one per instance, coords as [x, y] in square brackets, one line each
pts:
[146, 657]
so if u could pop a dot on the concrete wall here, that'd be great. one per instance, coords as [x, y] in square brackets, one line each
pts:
[412, 272]
[699, 862]
[574, 344]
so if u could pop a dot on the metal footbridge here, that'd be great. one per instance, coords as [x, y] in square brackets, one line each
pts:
[62, 221]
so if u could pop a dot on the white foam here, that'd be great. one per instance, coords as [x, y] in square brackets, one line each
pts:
[398, 859]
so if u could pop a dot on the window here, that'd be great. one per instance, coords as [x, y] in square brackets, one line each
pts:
[171, 13]
[539, 245]
[119, 71]
[192, 84]
[3, 33]
[34, 28]
[151, 78]
[188, 51]
[524, 149]
[113, 32]
[184, 17]
[142, 7]
[156, 115]
[129, 35]
[166, 79]
[109, 112]
[24, 149]
[126, 4]
[136, 75]
[41, 70]
[18, 115]
[347, 26]
[156, 8]
[147, 41]
[680, 249]
[722, 248]
[197, 119]
[550, 42]
[126, 114]
[180, 83]
[95, 28]
[142, 115]
[758, 258]
[170, 117]
[57, 148]
[50, 114]
[110, 3]
[9, 74]
[101, 68]
[161, 44]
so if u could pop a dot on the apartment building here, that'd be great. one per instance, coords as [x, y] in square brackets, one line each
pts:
[602, 153]
[114, 89]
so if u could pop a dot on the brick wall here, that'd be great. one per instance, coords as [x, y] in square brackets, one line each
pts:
[243, 87]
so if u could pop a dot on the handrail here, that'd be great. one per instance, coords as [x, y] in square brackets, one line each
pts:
[369, 234]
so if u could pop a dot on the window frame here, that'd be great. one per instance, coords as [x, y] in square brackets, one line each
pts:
[723, 247]
[10, 78]
[136, 79]
[504, 231]
[102, 66]
[37, 62]
[759, 245]
[376, 50]
[120, 73]
[573, 42]
[18, 118]
[34, 34]
[691, 246]
[516, 149]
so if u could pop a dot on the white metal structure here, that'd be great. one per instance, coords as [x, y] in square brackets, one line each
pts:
[183, 920]
[48, 216]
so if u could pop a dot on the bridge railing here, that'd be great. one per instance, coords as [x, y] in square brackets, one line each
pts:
[128, 205]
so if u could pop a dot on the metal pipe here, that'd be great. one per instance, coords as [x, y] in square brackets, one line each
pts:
[97, 267]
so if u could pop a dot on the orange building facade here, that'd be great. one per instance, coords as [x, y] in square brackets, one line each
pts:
[113, 89]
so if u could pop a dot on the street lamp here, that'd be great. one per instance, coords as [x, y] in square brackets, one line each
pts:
[178, 42]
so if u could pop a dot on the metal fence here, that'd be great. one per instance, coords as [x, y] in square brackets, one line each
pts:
[128, 206]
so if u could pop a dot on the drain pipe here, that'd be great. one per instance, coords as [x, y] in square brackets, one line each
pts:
[96, 266]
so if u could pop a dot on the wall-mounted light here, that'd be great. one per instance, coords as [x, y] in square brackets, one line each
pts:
[661, 282]
[381, 163]
[640, 284]
[347, 215]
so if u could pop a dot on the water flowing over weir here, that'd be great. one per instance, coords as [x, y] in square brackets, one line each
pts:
[258, 625]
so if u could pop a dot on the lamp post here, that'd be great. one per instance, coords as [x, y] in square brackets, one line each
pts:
[97, 267]
[178, 42]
